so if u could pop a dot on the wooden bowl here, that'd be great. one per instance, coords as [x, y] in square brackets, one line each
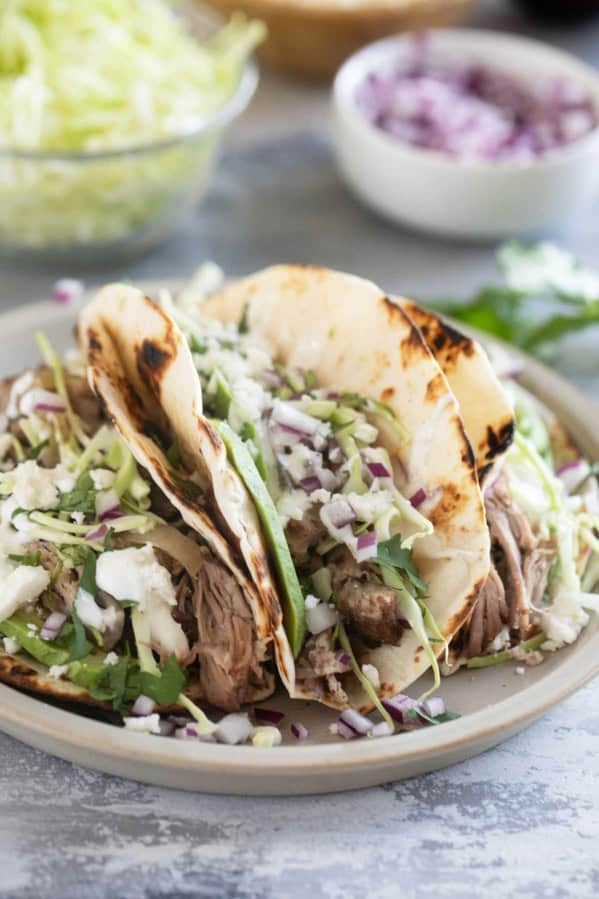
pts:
[312, 38]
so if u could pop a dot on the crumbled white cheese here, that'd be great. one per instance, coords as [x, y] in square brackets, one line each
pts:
[78, 517]
[91, 614]
[32, 628]
[266, 737]
[519, 670]
[333, 729]
[56, 671]
[293, 505]
[111, 658]
[370, 506]
[102, 478]
[11, 646]
[135, 574]
[144, 724]
[21, 587]
[34, 487]
[311, 601]
[321, 617]
[301, 462]
[372, 674]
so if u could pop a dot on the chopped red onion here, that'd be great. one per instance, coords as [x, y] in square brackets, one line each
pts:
[470, 111]
[343, 658]
[288, 415]
[108, 505]
[98, 533]
[434, 706]
[269, 716]
[335, 453]
[310, 484]
[179, 720]
[299, 731]
[143, 706]
[418, 498]
[40, 400]
[382, 729]
[398, 706]
[377, 470]
[360, 724]
[366, 545]
[53, 625]
[66, 290]
[572, 473]
[345, 731]
[340, 513]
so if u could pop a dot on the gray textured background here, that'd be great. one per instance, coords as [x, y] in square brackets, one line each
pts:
[520, 821]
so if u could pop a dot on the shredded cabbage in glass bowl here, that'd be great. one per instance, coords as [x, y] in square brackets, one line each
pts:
[111, 112]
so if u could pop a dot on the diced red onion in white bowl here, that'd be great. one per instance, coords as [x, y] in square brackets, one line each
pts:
[143, 706]
[343, 730]
[310, 484]
[299, 731]
[398, 707]
[382, 729]
[53, 625]
[357, 722]
[268, 716]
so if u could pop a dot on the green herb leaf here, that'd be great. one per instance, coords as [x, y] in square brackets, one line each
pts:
[80, 645]
[197, 345]
[35, 451]
[76, 553]
[164, 689]
[127, 603]
[82, 498]
[32, 559]
[88, 576]
[393, 555]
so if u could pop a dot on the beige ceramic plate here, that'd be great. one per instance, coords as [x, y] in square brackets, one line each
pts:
[494, 703]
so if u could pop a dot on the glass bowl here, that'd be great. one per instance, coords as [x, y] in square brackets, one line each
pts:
[83, 208]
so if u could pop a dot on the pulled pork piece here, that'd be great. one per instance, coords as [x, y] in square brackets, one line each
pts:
[318, 666]
[303, 536]
[66, 582]
[512, 536]
[536, 567]
[365, 604]
[489, 617]
[84, 402]
[227, 648]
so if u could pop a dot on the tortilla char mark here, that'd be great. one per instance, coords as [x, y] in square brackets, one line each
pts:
[458, 620]
[499, 441]
[446, 342]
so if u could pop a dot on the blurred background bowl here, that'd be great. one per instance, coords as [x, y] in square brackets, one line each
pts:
[85, 208]
[462, 197]
[312, 38]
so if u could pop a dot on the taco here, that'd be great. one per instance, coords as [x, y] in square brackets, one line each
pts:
[115, 585]
[542, 508]
[320, 394]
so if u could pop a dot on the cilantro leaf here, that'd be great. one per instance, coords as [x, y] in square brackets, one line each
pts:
[88, 576]
[82, 498]
[164, 689]
[36, 450]
[393, 555]
[197, 345]
[79, 644]
[26, 559]
[76, 553]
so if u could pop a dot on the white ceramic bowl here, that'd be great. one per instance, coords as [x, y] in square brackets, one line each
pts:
[481, 199]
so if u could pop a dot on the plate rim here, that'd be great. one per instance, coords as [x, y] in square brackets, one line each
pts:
[33, 717]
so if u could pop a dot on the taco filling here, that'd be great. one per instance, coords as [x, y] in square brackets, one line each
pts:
[103, 584]
[542, 506]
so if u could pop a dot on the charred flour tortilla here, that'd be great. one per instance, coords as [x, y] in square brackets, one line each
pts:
[139, 367]
[106, 593]
[347, 341]
[485, 407]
